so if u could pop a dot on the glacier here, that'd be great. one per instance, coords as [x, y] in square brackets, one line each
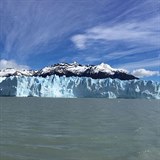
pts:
[80, 87]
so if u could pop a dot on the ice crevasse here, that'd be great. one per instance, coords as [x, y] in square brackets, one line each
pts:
[72, 87]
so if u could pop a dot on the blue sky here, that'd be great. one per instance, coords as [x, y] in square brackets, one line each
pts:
[124, 34]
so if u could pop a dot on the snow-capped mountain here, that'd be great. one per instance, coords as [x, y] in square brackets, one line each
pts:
[16, 72]
[94, 71]
[73, 69]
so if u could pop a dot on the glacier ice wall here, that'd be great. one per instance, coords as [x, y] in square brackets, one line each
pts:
[55, 86]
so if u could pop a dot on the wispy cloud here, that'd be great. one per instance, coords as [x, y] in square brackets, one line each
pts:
[31, 28]
[11, 64]
[147, 63]
[38, 27]
[128, 52]
[140, 33]
[145, 73]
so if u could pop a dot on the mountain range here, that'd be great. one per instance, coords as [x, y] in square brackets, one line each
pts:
[100, 71]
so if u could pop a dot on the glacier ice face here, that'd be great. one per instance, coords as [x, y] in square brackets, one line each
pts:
[55, 86]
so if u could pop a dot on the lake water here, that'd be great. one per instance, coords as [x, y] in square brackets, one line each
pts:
[79, 129]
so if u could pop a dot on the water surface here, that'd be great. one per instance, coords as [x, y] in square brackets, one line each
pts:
[79, 129]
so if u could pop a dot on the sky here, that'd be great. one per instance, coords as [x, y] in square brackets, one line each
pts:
[123, 34]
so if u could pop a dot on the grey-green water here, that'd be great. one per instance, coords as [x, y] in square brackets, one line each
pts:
[79, 129]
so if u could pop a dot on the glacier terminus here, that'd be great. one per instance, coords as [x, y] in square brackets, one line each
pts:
[68, 81]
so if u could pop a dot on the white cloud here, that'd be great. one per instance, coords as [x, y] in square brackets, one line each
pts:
[11, 64]
[79, 41]
[135, 32]
[145, 73]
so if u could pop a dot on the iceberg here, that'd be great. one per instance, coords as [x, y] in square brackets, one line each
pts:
[80, 87]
